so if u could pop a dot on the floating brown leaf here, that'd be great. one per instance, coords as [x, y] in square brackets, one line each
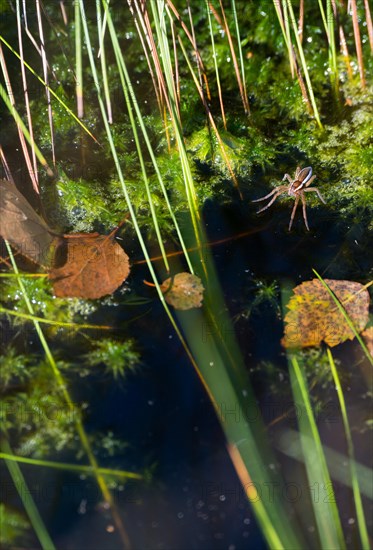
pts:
[23, 228]
[96, 265]
[183, 291]
[313, 315]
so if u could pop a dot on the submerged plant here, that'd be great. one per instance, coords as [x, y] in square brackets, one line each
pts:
[119, 358]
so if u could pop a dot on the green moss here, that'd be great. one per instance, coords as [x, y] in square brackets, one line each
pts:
[13, 368]
[119, 358]
[14, 527]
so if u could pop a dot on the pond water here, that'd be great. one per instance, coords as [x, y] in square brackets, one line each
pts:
[159, 420]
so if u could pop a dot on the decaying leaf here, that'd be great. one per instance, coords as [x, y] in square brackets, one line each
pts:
[367, 334]
[313, 316]
[23, 228]
[183, 291]
[96, 265]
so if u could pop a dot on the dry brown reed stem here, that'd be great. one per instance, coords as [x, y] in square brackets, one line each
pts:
[344, 50]
[368, 18]
[195, 47]
[301, 20]
[214, 127]
[221, 102]
[46, 78]
[302, 85]
[20, 132]
[34, 172]
[144, 16]
[241, 85]
[63, 13]
[176, 61]
[5, 164]
[156, 85]
[190, 38]
[359, 50]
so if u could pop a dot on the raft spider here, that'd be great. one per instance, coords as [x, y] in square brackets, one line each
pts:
[299, 185]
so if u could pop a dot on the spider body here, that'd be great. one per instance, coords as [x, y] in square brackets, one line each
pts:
[298, 186]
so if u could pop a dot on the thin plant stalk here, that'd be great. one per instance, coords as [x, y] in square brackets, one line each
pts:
[214, 56]
[52, 322]
[234, 58]
[78, 63]
[332, 47]
[301, 20]
[194, 43]
[284, 24]
[101, 27]
[78, 468]
[326, 513]
[242, 65]
[26, 497]
[363, 531]
[34, 172]
[46, 78]
[368, 18]
[346, 316]
[344, 51]
[359, 50]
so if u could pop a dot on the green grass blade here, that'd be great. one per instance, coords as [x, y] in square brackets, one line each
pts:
[354, 479]
[29, 317]
[289, 444]
[78, 62]
[81, 469]
[326, 513]
[25, 495]
[214, 56]
[347, 318]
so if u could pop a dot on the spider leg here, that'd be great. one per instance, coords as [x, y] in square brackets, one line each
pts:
[310, 180]
[287, 177]
[276, 190]
[293, 212]
[270, 202]
[304, 210]
[315, 190]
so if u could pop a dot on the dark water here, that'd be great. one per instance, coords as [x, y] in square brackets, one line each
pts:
[194, 499]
